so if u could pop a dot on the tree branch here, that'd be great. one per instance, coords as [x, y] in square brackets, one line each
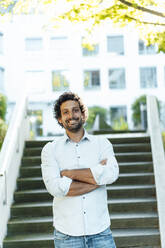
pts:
[136, 6]
[143, 22]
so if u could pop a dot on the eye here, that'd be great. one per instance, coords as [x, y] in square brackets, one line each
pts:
[76, 110]
[65, 112]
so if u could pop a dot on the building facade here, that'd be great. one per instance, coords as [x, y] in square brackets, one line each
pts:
[45, 62]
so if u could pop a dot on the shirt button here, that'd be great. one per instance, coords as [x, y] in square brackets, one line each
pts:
[84, 212]
[76, 144]
[78, 157]
[83, 197]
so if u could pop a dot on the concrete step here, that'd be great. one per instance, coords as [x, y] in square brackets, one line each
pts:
[34, 209]
[121, 157]
[135, 167]
[30, 225]
[124, 191]
[137, 237]
[135, 179]
[134, 156]
[124, 238]
[29, 161]
[131, 191]
[129, 140]
[126, 205]
[40, 240]
[32, 196]
[43, 224]
[135, 147]
[124, 179]
[34, 151]
[35, 143]
[134, 220]
[30, 183]
[29, 171]
[140, 147]
[125, 167]
[132, 205]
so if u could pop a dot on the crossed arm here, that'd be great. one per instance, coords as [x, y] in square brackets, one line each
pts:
[82, 180]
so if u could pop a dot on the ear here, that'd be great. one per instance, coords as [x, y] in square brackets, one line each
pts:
[83, 117]
[59, 120]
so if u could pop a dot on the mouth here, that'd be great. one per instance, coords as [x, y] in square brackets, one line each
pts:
[72, 122]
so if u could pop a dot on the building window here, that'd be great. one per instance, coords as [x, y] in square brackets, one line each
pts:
[33, 44]
[117, 78]
[143, 49]
[118, 112]
[1, 43]
[115, 44]
[91, 79]
[2, 79]
[58, 43]
[35, 82]
[93, 52]
[148, 77]
[60, 80]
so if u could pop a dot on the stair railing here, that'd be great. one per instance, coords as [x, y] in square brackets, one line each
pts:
[158, 156]
[10, 160]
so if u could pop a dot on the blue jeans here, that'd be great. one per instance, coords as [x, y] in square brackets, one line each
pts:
[100, 240]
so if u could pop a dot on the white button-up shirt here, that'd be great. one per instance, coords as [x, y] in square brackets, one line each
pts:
[85, 214]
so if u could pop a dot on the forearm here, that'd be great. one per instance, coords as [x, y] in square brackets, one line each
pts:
[81, 175]
[80, 188]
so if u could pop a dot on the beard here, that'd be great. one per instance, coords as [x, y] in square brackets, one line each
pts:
[75, 127]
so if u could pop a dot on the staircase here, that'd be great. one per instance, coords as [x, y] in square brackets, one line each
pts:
[131, 200]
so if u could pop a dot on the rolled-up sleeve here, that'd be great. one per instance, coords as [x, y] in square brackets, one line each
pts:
[55, 184]
[106, 174]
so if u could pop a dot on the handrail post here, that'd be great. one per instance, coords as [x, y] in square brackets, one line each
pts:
[158, 161]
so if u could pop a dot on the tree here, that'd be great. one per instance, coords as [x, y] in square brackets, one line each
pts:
[93, 112]
[3, 126]
[147, 16]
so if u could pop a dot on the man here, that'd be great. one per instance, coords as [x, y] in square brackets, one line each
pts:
[76, 169]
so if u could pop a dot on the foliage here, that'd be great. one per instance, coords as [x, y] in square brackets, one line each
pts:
[3, 130]
[144, 15]
[3, 106]
[163, 137]
[93, 112]
[136, 109]
[120, 124]
[3, 126]
[136, 116]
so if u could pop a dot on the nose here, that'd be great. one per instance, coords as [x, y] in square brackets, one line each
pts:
[70, 115]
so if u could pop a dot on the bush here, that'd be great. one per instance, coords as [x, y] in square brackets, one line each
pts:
[93, 111]
[120, 124]
[3, 106]
[136, 109]
[3, 130]
[163, 137]
[3, 126]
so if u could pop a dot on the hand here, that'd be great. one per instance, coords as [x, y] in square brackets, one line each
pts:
[103, 162]
[64, 173]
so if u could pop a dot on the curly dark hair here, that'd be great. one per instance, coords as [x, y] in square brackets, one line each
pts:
[66, 96]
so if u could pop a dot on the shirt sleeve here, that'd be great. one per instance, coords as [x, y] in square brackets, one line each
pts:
[106, 174]
[55, 184]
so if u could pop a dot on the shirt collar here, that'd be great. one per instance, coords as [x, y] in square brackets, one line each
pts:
[85, 137]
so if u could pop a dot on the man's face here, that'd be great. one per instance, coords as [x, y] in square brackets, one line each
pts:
[71, 117]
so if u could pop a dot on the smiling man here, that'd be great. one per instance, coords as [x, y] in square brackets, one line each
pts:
[76, 169]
